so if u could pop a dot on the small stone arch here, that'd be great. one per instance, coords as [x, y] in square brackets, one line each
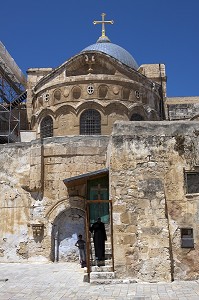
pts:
[66, 227]
[46, 127]
[90, 122]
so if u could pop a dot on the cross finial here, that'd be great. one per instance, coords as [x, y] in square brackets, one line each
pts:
[103, 22]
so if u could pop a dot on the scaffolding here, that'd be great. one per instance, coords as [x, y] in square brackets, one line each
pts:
[12, 97]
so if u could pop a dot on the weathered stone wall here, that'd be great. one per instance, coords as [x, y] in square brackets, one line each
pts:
[15, 202]
[182, 108]
[117, 93]
[150, 205]
[33, 193]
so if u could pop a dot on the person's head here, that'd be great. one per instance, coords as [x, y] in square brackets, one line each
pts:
[80, 236]
[98, 219]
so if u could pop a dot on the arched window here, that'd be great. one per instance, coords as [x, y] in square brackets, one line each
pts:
[136, 117]
[46, 127]
[90, 122]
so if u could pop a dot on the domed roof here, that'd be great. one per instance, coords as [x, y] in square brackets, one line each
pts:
[104, 45]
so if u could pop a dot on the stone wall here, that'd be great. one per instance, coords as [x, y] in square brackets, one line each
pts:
[150, 204]
[15, 202]
[33, 194]
[182, 108]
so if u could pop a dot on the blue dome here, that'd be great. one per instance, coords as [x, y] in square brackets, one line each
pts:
[104, 45]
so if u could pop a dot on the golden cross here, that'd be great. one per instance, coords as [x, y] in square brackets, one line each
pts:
[103, 22]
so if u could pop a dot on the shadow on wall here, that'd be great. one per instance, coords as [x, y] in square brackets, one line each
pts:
[65, 230]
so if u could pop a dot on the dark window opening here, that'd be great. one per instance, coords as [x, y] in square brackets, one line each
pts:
[192, 182]
[187, 240]
[46, 127]
[90, 122]
[136, 117]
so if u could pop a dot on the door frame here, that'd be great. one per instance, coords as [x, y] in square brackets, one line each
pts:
[88, 234]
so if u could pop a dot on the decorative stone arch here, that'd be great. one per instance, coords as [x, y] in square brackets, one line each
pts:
[44, 113]
[65, 109]
[90, 122]
[66, 220]
[138, 113]
[46, 127]
[90, 105]
[115, 106]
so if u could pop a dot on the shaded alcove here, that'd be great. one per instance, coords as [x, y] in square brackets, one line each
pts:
[136, 117]
[65, 230]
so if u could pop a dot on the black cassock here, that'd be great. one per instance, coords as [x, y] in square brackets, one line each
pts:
[99, 239]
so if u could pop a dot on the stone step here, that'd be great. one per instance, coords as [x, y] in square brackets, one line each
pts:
[101, 275]
[107, 250]
[108, 256]
[107, 244]
[106, 262]
[112, 281]
[101, 281]
[106, 268]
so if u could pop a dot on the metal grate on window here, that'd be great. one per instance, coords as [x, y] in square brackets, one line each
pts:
[46, 127]
[90, 122]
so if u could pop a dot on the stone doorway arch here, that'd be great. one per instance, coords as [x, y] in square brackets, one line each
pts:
[66, 227]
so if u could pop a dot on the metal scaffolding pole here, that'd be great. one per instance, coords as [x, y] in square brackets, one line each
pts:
[12, 97]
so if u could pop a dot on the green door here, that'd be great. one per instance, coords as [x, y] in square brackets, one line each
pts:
[97, 191]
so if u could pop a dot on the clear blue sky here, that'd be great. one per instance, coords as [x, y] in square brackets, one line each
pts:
[46, 33]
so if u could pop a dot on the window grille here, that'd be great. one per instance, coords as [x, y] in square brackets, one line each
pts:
[46, 97]
[90, 122]
[46, 128]
[90, 89]
[137, 94]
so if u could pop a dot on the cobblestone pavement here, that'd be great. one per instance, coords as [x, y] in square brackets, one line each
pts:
[64, 281]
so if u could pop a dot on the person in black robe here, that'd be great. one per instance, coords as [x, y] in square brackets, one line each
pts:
[99, 239]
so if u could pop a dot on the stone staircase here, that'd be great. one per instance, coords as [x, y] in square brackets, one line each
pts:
[102, 272]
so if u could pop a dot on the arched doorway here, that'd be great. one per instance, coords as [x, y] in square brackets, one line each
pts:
[65, 230]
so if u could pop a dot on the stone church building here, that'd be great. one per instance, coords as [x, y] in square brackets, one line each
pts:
[102, 139]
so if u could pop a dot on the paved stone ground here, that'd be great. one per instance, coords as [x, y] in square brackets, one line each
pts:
[64, 281]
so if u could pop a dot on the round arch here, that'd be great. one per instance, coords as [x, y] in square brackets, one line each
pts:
[66, 221]
[90, 122]
[46, 127]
